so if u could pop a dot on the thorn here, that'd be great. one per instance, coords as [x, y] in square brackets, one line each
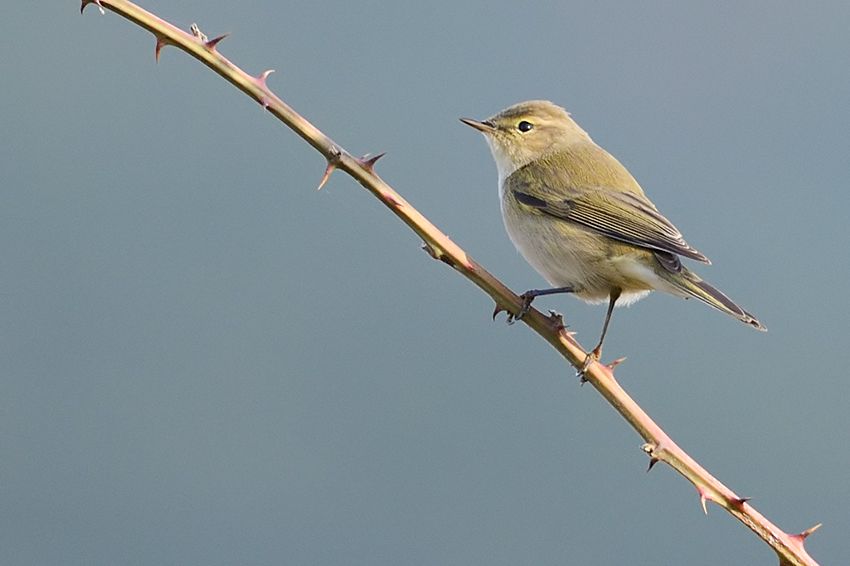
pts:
[212, 43]
[739, 501]
[368, 163]
[160, 43]
[327, 175]
[652, 450]
[85, 3]
[263, 76]
[704, 497]
[615, 363]
[261, 81]
[801, 537]
[557, 319]
[652, 461]
[649, 448]
[333, 159]
[805, 534]
[391, 199]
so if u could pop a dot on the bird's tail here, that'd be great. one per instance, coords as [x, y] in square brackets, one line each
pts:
[689, 284]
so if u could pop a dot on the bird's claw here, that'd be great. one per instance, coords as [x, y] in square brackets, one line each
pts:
[557, 319]
[589, 359]
[527, 299]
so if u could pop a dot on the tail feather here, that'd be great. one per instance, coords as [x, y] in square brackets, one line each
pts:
[690, 284]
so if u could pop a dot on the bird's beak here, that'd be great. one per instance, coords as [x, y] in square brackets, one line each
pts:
[485, 127]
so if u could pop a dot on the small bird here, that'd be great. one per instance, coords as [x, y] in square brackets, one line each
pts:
[582, 221]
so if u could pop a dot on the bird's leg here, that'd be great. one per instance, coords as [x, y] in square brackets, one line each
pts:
[529, 296]
[596, 353]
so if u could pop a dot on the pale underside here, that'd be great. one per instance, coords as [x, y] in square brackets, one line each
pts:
[564, 260]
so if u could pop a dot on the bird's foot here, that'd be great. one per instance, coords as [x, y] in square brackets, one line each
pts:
[527, 298]
[594, 357]
[591, 357]
[557, 320]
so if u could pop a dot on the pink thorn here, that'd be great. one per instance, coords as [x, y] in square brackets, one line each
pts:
[211, 44]
[801, 537]
[615, 363]
[327, 175]
[392, 200]
[160, 43]
[703, 498]
[369, 162]
[85, 3]
[263, 76]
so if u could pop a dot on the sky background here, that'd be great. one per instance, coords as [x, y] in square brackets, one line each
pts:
[205, 361]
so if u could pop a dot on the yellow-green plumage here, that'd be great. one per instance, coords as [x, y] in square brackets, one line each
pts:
[580, 218]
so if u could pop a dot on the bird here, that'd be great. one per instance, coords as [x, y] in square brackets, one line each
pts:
[582, 221]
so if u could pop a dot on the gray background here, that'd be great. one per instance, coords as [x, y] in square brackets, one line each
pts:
[205, 361]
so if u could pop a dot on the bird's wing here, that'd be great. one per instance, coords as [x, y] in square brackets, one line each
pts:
[627, 216]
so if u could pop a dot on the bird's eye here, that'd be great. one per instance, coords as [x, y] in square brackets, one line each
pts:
[525, 126]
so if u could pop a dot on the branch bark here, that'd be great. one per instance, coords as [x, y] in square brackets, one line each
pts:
[658, 445]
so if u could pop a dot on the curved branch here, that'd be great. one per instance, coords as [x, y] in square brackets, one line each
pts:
[658, 445]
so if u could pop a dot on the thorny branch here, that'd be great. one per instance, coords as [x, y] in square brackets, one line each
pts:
[658, 445]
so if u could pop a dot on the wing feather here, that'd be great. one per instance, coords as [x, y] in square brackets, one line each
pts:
[624, 215]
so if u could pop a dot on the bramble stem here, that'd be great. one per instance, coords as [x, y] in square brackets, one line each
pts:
[658, 445]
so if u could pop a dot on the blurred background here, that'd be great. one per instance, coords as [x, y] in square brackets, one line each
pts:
[205, 361]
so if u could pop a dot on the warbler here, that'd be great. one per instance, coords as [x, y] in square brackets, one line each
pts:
[582, 221]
